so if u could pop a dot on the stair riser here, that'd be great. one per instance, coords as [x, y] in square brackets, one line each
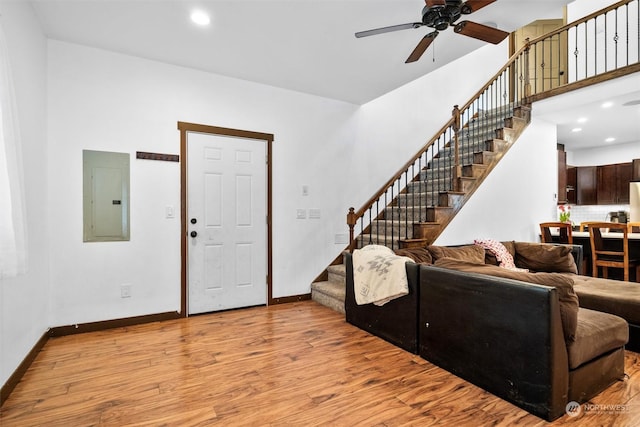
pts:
[435, 174]
[411, 214]
[394, 229]
[465, 157]
[465, 147]
[333, 277]
[416, 199]
[449, 152]
[434, 186]
[464, 152]
[328, 301]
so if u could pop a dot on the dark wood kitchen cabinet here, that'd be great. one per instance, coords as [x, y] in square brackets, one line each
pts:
[586, 185]
[572, 184]
[562, 176]
[636, 170]
[613, 183]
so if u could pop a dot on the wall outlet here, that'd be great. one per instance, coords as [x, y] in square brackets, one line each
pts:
[125, 291]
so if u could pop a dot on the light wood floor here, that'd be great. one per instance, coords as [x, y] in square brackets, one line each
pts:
[296, 364]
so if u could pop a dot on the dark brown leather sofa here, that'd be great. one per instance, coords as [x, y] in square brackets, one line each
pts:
[396, 321]
[503, 335]
[506, 337]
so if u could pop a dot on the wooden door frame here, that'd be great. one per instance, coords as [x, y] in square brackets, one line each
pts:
[185, 127]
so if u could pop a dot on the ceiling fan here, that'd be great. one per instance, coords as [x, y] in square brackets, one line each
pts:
[439, 15]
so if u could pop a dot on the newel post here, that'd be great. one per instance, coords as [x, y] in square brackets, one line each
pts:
[351, 222]
[456, 127]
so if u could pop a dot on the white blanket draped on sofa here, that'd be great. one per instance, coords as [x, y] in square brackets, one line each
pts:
[379, 275]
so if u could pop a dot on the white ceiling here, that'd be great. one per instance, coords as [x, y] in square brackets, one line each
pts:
[303, 45]
[620, 120]
[309, 46]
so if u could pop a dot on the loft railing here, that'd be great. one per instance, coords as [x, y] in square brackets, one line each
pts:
[598, 47]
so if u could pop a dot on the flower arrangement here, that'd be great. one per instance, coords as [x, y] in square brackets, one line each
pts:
[565, 213]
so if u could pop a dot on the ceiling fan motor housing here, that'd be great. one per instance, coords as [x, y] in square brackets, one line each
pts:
[440, 17]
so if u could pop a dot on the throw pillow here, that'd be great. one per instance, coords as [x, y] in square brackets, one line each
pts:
[418, 255]
[545, 257]
[500, 253]
[470, 253]
[564, 285]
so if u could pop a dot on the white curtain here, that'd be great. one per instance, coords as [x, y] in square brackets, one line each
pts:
[13, 250]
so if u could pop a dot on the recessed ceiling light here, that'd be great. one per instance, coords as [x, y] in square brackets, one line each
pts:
[576, 130]
[582, 120]
[610, 139]
[201, 18]
[607, 104]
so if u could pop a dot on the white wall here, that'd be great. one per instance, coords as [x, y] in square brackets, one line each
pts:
[516, 196]
[104, 101]
[24, 309]
[392, 128]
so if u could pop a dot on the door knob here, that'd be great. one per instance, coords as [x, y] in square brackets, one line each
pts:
[193, 220]
[194, 233]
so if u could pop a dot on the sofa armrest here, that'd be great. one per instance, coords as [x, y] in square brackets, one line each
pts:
[503, 335]
[395, 321]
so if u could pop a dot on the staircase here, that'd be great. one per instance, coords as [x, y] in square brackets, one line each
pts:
[417, 204]
[331, 293]
[428, 202]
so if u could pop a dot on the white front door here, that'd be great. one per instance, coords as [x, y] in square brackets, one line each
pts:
[226, 222]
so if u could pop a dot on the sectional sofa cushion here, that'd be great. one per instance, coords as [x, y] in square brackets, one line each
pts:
[564, 284]
[611, 296]
[470, 253]
[597, 333]
[419, 255]
[547, 258]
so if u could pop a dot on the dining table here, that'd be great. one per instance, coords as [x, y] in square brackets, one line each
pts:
[612, 240]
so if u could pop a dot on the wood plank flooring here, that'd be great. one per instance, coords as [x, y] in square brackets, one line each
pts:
[296, 364]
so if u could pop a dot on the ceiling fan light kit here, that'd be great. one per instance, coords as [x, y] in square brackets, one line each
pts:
[440, 15]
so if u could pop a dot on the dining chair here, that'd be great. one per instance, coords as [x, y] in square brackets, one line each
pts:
[634, 227]
[564, 232]
[586, 224]
[616, 255]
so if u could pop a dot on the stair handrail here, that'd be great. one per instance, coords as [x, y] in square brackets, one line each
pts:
[454, 122]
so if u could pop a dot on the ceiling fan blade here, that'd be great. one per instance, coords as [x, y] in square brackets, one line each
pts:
[421, 47]
[481, 32]
[472, 5]
[389, 29]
